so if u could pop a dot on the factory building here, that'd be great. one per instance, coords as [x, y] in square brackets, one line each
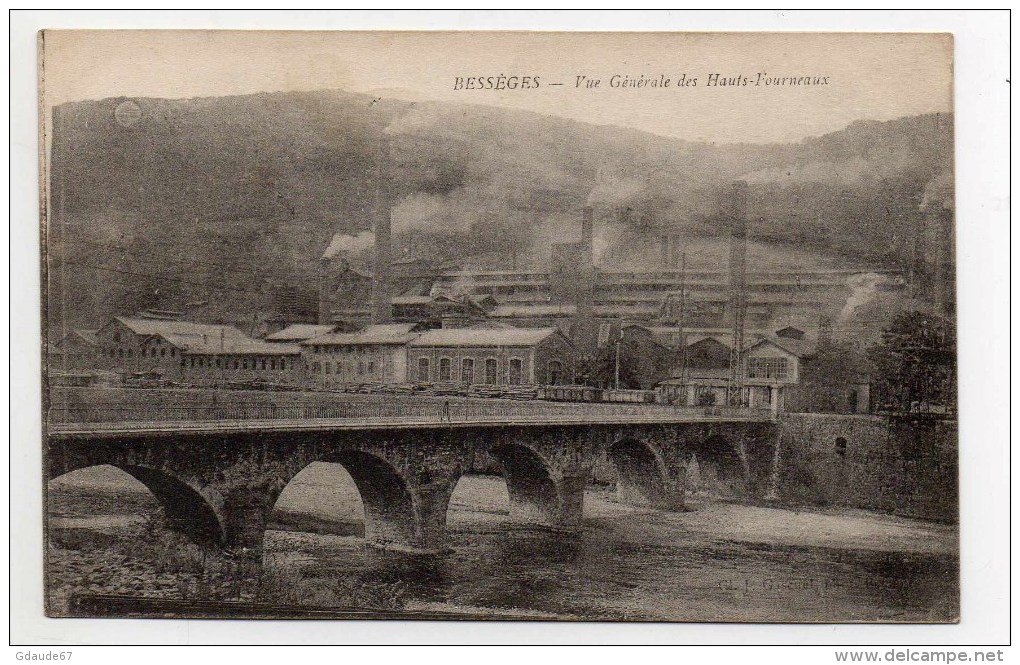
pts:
[142, 344]
[493, 356]
[377, 354]
[193, 353]
[239, 360]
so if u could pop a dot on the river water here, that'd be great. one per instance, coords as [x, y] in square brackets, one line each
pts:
[720, 562]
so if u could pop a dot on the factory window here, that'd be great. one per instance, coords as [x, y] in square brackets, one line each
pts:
[444, 369]
[162, 353]
[316, 367]
[329, 368]
[767, 368]
[173, 353]
[555, 372]
[219, 363]
[192, 363]
[237, 364]
[244, 364]
[467, 370]
[361, 368]
[841, 446]
[516, 371]
[184, 363]
[263, 363]
[283, 363]
[423, 370]
[491, 367]
[371, 366]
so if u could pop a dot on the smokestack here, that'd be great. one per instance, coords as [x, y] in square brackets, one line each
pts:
[582, 329]
[587, 236]
[674, 251]
[325, 292]
[944, 263]
[382, 309]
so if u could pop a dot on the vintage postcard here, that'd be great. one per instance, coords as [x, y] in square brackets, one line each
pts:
[499, 325]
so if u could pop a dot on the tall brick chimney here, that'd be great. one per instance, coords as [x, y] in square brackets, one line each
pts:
[325, 289]
[382, 309]
[583, 331]
[588, 236]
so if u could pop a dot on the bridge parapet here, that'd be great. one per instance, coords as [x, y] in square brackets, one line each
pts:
[367, 414]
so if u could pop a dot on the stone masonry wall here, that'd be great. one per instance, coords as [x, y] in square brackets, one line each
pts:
[906, 467]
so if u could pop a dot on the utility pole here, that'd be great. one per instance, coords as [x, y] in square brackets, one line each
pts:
[618, 340]
[682, 333]
[736, 216]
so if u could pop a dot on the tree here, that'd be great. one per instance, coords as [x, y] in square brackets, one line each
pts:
[831, 372]
[915, 364]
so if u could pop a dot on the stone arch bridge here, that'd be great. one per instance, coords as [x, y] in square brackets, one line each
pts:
[219, 484]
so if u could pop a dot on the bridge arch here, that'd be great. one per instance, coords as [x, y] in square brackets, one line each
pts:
[189, 509]
[395, 512]
[722, 465]
[643, 478]
[536, 494]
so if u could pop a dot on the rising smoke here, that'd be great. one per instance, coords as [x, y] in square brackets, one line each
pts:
[344, 243]
[863, 289]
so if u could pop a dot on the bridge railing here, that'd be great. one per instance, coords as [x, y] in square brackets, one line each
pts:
[437, 412]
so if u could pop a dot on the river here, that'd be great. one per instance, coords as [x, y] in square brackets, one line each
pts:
[722, 561]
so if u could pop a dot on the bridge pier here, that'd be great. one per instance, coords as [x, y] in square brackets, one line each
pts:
[245, 515]
[541, 493]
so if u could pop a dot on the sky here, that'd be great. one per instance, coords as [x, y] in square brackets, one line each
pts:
[871, 76]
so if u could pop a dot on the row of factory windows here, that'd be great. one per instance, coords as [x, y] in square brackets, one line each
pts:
[142, 353]
[344, 367]
[515, 375]
[219, 363]
[235, 363]
[358, 349]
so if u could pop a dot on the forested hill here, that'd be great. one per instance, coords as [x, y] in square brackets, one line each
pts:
[231, 200]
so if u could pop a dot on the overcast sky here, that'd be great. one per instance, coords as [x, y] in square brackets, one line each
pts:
[871, 76]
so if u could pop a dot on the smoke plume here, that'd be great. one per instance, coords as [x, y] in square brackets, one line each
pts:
[863, 288]
[344, 243]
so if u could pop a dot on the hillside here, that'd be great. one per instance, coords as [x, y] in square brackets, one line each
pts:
[230, 201]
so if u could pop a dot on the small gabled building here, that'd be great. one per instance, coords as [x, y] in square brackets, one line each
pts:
[492, 356]
[78, 350]
[771, 365]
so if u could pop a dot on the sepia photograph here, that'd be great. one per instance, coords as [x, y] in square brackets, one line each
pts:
[499, 326]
